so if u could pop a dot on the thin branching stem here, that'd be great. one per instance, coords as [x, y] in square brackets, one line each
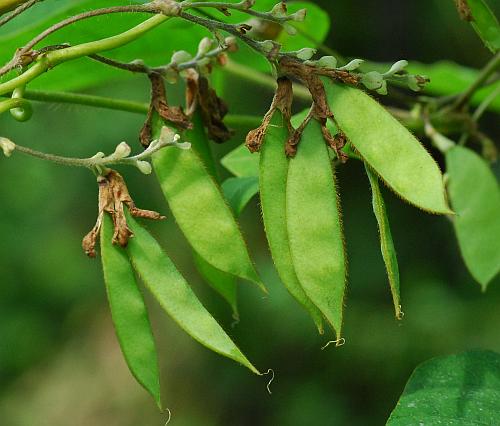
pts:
[16, 12]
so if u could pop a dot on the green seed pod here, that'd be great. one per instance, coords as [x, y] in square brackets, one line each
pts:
[314, 226]
[387, 146]
[202, 213]
[475, 197]
[175, 296]
[129, 313]
[386, 243]
[273, 177]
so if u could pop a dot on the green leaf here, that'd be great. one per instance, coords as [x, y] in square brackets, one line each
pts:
[129, 313]
[461, 389]
[485, 23]
[239, 192]
[386, 243]
[155, 47]
[241, 162]
[273, 181]
[201, 212]
[314, 226]
[175, 296]
[387, 146]
[475, 197]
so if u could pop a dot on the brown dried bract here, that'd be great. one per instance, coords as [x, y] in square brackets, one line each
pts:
[174, 115]
[336, 142]
[282, 101]
[464, 10]
[113, 195]
[213, 109]
[296, 136]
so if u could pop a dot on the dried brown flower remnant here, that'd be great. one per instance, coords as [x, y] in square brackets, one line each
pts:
[213, 109]
[174, 115]
[282, 101]
[113, 195]
[464, 10]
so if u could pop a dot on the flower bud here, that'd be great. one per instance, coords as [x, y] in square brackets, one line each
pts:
[122, 150]
[351, 66]
[144, 167]
[181, 56]
[397, 67]
[306, 53]
[7, 146]
[204, 46]
[327, 62]
[289, 29]
[299, 16]
[279, 10]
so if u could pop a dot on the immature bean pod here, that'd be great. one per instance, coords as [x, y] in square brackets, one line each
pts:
[386, 242]
[314, 226]
[201, 212]
[129, 313]
[388, 147]
[175, 296]
[272, 180]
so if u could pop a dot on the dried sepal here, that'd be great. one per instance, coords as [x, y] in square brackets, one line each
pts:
[199, 95]
[159, 103]
[282, 101]
[296, 136]
[113, 198]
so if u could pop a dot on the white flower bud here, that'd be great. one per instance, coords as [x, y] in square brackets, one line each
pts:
[122, 150]
[289, 29]
[279, 10]
[327, 62]
[306, 53]
[299, 16]
[204, 46]
[397, 67]
[144, 167]
[267, 46]
[181, 56]
[7, 146]
[351, 66]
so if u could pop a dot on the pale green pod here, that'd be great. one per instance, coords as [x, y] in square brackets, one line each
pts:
[386, 242]
[475, 196]
[175, 296]
[314, 226]
[273, 178]
[202, 213]
[129, 313]
[388, 147]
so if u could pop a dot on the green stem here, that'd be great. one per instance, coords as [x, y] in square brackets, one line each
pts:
[483, 76]
[9, 104]
[56, 57]
[89, 100]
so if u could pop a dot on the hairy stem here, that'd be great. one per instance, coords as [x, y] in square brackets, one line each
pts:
[20, 9]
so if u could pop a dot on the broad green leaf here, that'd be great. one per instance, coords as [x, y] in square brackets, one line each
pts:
[201, 212]
[273, 181]
[155, 48]
[175, 296]
[475, 197]
[129, 313]
[387, 146]
[314, 226]
[386, 243]
[239, 191]
[485, 23]
[454, 390]
[241, 162]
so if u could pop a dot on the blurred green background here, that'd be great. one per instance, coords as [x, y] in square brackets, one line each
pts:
[60, 362]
